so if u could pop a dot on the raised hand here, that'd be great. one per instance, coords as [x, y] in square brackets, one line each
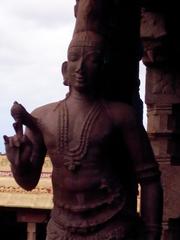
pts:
[19, 147]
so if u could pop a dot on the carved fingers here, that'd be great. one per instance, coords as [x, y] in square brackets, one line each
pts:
[15, 144]
[16, 140]
[18, 129]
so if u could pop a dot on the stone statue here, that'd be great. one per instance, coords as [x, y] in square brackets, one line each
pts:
[99, 152]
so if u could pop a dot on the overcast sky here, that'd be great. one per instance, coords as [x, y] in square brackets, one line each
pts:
[34, 36]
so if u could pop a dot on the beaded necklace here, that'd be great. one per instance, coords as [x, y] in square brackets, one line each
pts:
[74, 155]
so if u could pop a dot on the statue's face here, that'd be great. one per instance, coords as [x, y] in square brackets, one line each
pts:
[84, 63]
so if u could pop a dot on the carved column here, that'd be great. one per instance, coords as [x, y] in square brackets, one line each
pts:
[163, 105]
[31, 231]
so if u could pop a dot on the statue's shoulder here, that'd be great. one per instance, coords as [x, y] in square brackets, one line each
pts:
[42, 111]
[121, 113]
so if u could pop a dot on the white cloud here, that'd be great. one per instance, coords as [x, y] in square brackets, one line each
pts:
[34, 39]
[46, 13]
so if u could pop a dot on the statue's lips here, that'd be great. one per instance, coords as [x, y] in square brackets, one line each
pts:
[78, 76]
[79, 80]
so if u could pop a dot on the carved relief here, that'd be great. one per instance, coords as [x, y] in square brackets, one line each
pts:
[153, 34]
[152, 25]
[162, 86]
[163, 82]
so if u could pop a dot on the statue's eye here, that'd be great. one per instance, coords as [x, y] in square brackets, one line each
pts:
[94, 59]
[73, 57]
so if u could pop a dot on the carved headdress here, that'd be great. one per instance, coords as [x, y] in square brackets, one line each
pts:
[90, 23]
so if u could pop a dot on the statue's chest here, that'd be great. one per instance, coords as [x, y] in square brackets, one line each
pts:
[80, 133]
[78, 129]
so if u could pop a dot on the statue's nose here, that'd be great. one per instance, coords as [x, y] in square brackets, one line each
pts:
[79, 66]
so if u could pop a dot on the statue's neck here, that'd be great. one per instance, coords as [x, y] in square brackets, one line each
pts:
[81, 96]
[77, 101]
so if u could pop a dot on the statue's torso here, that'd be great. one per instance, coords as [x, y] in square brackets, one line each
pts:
[91, 169]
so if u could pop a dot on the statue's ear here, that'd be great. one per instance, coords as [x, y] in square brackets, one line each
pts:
[76, 8]
[64, 73]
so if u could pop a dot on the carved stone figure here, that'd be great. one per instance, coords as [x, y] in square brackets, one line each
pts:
[99, 152]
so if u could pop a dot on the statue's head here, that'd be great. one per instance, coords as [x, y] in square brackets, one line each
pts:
[85, 59]
[86, 48]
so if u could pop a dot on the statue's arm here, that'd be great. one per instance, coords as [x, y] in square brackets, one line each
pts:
[148, 175]
[151, 208]
[25, 151]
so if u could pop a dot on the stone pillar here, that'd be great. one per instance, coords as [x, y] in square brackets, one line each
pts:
[31, 231]
[32, 217]
[163, 106]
